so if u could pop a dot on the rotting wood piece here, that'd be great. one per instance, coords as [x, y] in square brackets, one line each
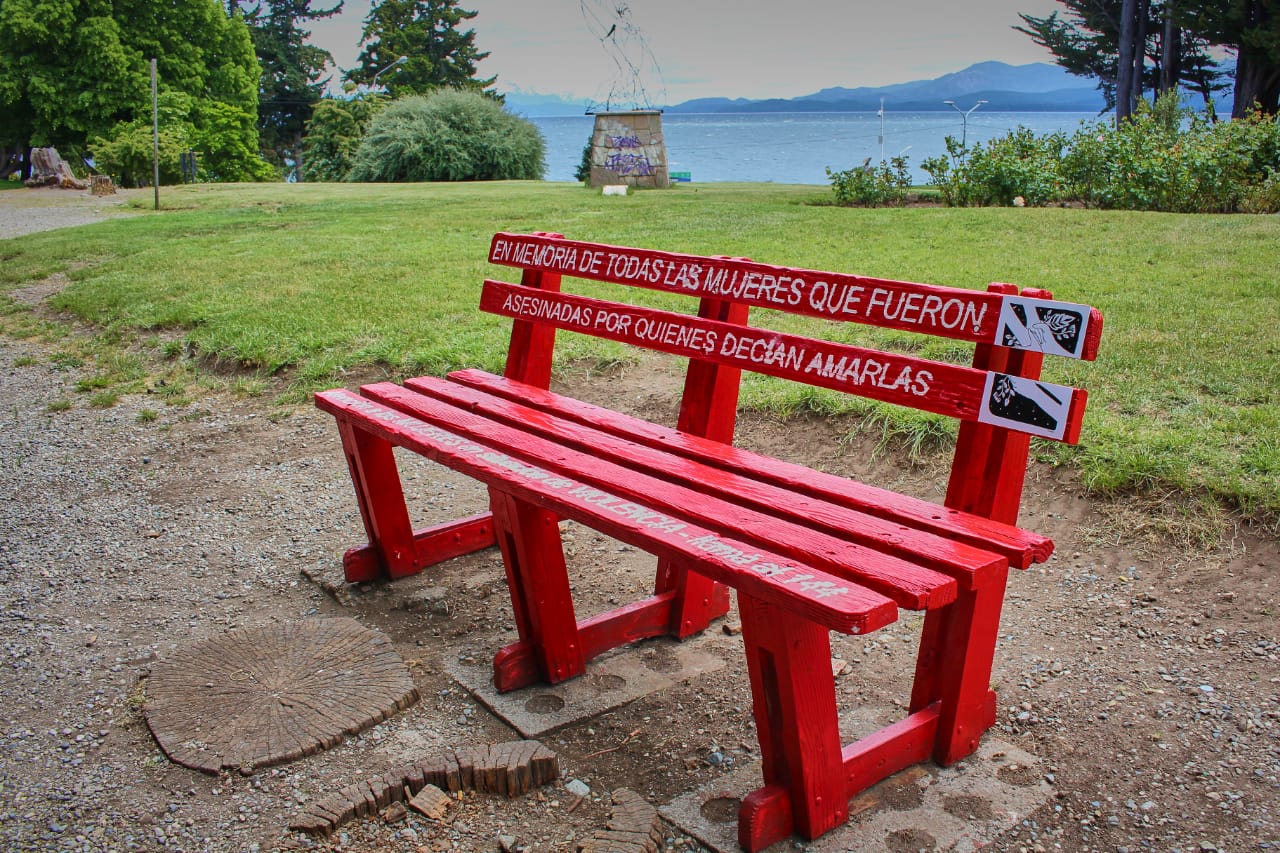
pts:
[633, 827]
[430, 802]
[509, 769]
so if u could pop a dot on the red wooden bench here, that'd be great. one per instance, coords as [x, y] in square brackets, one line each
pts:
[807, 552]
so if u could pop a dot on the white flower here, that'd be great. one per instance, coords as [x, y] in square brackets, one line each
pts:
[1019, 201]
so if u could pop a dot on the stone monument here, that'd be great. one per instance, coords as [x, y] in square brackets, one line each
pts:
[628, 148]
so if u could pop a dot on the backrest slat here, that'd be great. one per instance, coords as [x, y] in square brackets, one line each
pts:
[947, 389]
[1020, 322]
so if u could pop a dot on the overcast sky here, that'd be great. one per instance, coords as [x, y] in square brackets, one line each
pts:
[728, 48]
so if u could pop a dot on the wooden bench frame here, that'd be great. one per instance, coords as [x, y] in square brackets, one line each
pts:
[807, 552]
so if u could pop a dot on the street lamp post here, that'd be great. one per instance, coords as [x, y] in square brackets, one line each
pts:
[964, 121]
[374, 83]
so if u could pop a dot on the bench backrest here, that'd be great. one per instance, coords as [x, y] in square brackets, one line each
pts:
[1000, 398]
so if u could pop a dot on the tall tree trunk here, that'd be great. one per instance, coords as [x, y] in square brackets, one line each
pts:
[1124, 75]
[1143, 13]
[299, 168]
[1170, 52]
[13, 158]
[1257, 81]
[1257, 71]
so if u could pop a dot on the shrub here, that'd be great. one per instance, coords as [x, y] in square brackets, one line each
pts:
[334, 134]
[449, 135]
[872, 186]
[1263, 198]
[583, 172]
[1167, 158]
[126, 153]
[951, 182]
[226, 140]
[1019, 164]
[1164, 157]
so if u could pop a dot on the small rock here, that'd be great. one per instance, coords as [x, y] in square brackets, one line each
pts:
[577, 787]
[732, 628]
[395, 813]
[507, 843]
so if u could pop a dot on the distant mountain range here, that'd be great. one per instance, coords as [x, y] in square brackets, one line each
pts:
[1037, 87]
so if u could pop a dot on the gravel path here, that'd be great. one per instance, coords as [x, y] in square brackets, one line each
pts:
[1145, 678]
[27, 211]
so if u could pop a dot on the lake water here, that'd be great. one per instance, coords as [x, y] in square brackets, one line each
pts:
[796, 148]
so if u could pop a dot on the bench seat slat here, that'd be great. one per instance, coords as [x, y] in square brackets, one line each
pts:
[1021, 547]
[909, 585]
[834, 602]
[969, 565]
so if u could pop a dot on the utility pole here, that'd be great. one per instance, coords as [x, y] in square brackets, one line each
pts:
[882, 130]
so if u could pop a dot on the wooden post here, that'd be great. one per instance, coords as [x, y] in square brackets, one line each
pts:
[709, 409]
[155, 135]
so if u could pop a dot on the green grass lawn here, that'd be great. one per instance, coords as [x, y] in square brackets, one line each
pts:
[309, 281]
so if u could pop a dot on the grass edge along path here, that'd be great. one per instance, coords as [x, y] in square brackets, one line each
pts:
[314, 281]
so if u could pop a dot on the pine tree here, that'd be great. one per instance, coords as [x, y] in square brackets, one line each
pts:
[426, 33]
[1251, 29]
[1129, 46]
[292, 72]
[1168, 44]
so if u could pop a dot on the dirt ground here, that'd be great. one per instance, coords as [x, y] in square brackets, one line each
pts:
[1141, 669]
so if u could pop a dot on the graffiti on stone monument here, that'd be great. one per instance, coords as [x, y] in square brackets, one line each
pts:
[629, 164]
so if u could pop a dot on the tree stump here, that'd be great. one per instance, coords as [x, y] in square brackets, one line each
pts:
[48, 169]
[102, 185]
[255, 697]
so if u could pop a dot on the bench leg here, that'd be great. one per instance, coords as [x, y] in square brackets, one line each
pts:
[431, 545]
[381, 498]
[698, 600]
[957, 647]
[539, 581]
[794, 702]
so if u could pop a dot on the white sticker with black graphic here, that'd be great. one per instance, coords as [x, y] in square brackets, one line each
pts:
[1053, 328]
[1038, 408]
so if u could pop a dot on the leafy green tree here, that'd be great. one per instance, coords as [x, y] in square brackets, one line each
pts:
[450, 135]
[426, 32]
[334, 134]
[224, 139]
[72, 70]
[292, 72]
[67, 69]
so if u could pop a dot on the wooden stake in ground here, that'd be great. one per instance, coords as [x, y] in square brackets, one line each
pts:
[155, 135]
